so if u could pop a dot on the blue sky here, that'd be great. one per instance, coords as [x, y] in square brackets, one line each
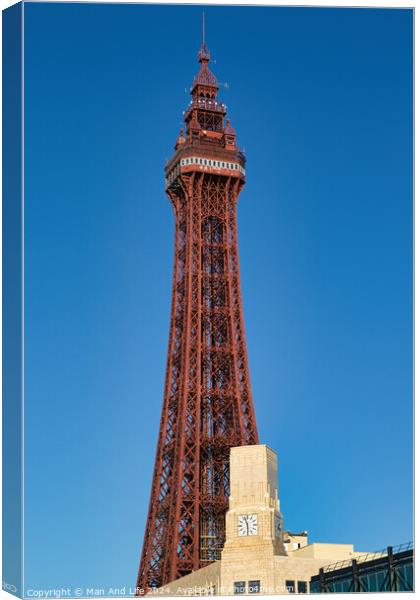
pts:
[322, 103]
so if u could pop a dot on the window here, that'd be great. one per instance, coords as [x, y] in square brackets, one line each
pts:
[315, 587]
[338, 586]
[296, 545]
[239, 587]
[302, 587]
[404, 577]
[290, 586]
[254, 587]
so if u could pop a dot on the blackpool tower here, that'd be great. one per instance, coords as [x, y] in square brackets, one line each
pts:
[207, 407]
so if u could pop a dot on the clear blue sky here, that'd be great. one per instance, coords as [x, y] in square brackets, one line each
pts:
[322, 103]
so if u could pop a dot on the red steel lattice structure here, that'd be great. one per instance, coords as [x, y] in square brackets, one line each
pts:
[207, 405]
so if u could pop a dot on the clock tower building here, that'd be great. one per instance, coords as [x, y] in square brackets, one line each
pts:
[254, 523]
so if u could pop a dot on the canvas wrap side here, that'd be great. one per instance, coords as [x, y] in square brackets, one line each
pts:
[12, 300]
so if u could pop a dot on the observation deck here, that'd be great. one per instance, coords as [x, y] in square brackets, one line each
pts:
[205, 157]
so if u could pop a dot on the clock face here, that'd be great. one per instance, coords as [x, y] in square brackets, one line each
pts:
[277, 526]
[247, 525]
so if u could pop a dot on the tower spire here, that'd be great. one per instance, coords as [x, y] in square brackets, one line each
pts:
[203, 54]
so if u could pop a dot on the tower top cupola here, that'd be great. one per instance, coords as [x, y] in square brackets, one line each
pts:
[204, 77]
[209, 140]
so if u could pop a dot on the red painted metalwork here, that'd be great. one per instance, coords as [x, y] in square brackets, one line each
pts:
[207, 405]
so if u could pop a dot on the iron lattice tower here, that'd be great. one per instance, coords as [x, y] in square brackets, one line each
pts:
[207, 405]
